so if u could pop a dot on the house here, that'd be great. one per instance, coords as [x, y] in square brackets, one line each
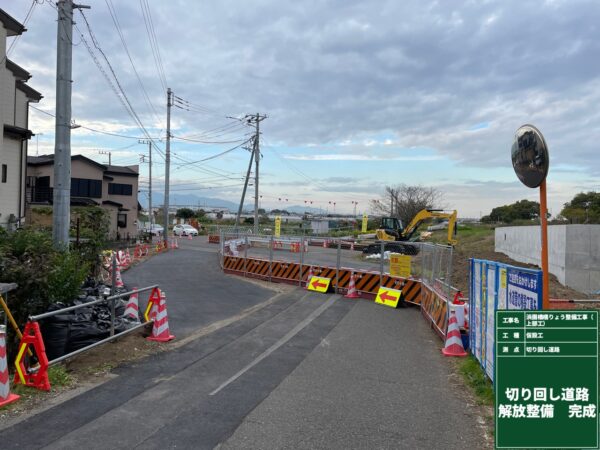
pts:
[114, 188]
[15, 96]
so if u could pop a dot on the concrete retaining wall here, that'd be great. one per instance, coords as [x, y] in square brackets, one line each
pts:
[574, 252]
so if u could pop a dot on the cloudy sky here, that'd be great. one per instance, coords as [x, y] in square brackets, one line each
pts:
[359, 95]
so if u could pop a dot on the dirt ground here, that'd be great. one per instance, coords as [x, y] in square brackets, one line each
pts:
[481, 245]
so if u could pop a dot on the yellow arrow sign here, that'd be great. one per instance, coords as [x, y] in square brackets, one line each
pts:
[318, 284]
[388, 297]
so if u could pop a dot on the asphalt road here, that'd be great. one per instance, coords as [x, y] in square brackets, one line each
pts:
[305, 370]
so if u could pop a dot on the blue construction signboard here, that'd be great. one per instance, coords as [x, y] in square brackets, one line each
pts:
[495, 286]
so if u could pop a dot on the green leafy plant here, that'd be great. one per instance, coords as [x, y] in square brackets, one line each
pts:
[66, 277]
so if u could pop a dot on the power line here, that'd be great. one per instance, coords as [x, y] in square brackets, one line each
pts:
[147, 16]
[27, 17]
[108, 133]
[113, 15]
[181, 138]
[118, 89]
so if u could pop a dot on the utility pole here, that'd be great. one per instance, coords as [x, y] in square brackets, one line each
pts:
[257, 119]
[105, 152]
[61, 216]
[239, 213]
[167, 164]
[150, 214]
[391, 203]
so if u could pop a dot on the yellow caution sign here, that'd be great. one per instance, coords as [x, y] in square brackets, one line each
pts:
[400, 265]
[388, 297]
[319, 284]
[277, 226]
[365, 222]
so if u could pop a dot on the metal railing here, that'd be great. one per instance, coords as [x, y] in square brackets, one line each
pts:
[107, 299]
[431, 263]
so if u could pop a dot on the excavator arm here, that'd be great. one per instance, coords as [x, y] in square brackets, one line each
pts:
[425, 214]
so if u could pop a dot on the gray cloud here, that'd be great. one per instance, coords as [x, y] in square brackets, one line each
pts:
[328, 72]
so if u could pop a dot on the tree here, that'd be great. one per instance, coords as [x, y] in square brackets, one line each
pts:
[521, 210]
[405, 201]
[583, 208]
[185, 213]
[200, 213]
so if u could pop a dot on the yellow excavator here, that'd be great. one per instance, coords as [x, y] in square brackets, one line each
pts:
[392, 233]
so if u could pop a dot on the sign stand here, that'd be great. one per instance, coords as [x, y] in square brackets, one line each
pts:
[544, 242]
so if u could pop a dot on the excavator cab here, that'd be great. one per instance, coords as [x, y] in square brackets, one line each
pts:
[390, 230]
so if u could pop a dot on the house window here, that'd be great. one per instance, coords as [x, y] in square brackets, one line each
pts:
[122, 220]
[120, 189]
[4, 172]
[83, 187]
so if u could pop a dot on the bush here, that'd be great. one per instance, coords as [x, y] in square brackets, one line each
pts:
[43, 274]
[66, 277]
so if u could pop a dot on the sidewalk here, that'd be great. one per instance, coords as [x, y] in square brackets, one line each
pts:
[378, 380]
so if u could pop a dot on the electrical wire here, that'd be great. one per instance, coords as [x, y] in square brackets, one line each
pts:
[147, 16]
[93, 130]
[119, 91]
[113, 15]
[13, 44]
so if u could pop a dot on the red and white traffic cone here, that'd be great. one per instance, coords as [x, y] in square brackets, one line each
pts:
[352, 246]
[176, 243]
[324, 244]
[118, 280]
[5, 396]
[127, 257]
[160, 328]
[454, 345]
[310, 275]
[190, 237]
[132, 308]
[352, 292]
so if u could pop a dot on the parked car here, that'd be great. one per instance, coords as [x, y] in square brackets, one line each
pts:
[155, 230]
[184, 230]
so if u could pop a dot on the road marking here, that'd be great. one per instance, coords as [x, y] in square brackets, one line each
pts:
[293, 332]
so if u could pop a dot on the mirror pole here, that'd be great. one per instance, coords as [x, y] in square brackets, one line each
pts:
[544, 242]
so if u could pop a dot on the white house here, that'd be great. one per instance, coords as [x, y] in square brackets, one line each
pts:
[15, 96]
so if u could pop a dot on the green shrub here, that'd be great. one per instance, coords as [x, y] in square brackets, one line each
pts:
[66, 277]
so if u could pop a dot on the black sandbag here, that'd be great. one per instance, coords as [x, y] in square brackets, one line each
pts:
[82, 334]
[55, 332]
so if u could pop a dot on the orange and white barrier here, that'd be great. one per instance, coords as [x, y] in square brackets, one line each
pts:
[132, 308]
[454, 345]
[118, 280]
[5, 396]
[160, 328]
[352, 292]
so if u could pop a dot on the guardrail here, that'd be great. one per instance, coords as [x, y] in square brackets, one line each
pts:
[35, 375]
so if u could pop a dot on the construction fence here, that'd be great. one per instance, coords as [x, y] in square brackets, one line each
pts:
[423, 273]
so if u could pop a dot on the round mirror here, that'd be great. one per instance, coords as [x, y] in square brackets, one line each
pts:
[530, 156]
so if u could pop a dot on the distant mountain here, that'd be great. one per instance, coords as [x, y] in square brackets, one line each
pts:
[186, 200]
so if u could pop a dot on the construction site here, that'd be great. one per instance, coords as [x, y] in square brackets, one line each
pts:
[324, 226]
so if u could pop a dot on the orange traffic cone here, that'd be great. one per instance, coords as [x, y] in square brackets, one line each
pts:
[118, 279]
[454, 345]
[5, 396]
[352, 292]
[160, 328]
[310, 275]
[132, 308]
